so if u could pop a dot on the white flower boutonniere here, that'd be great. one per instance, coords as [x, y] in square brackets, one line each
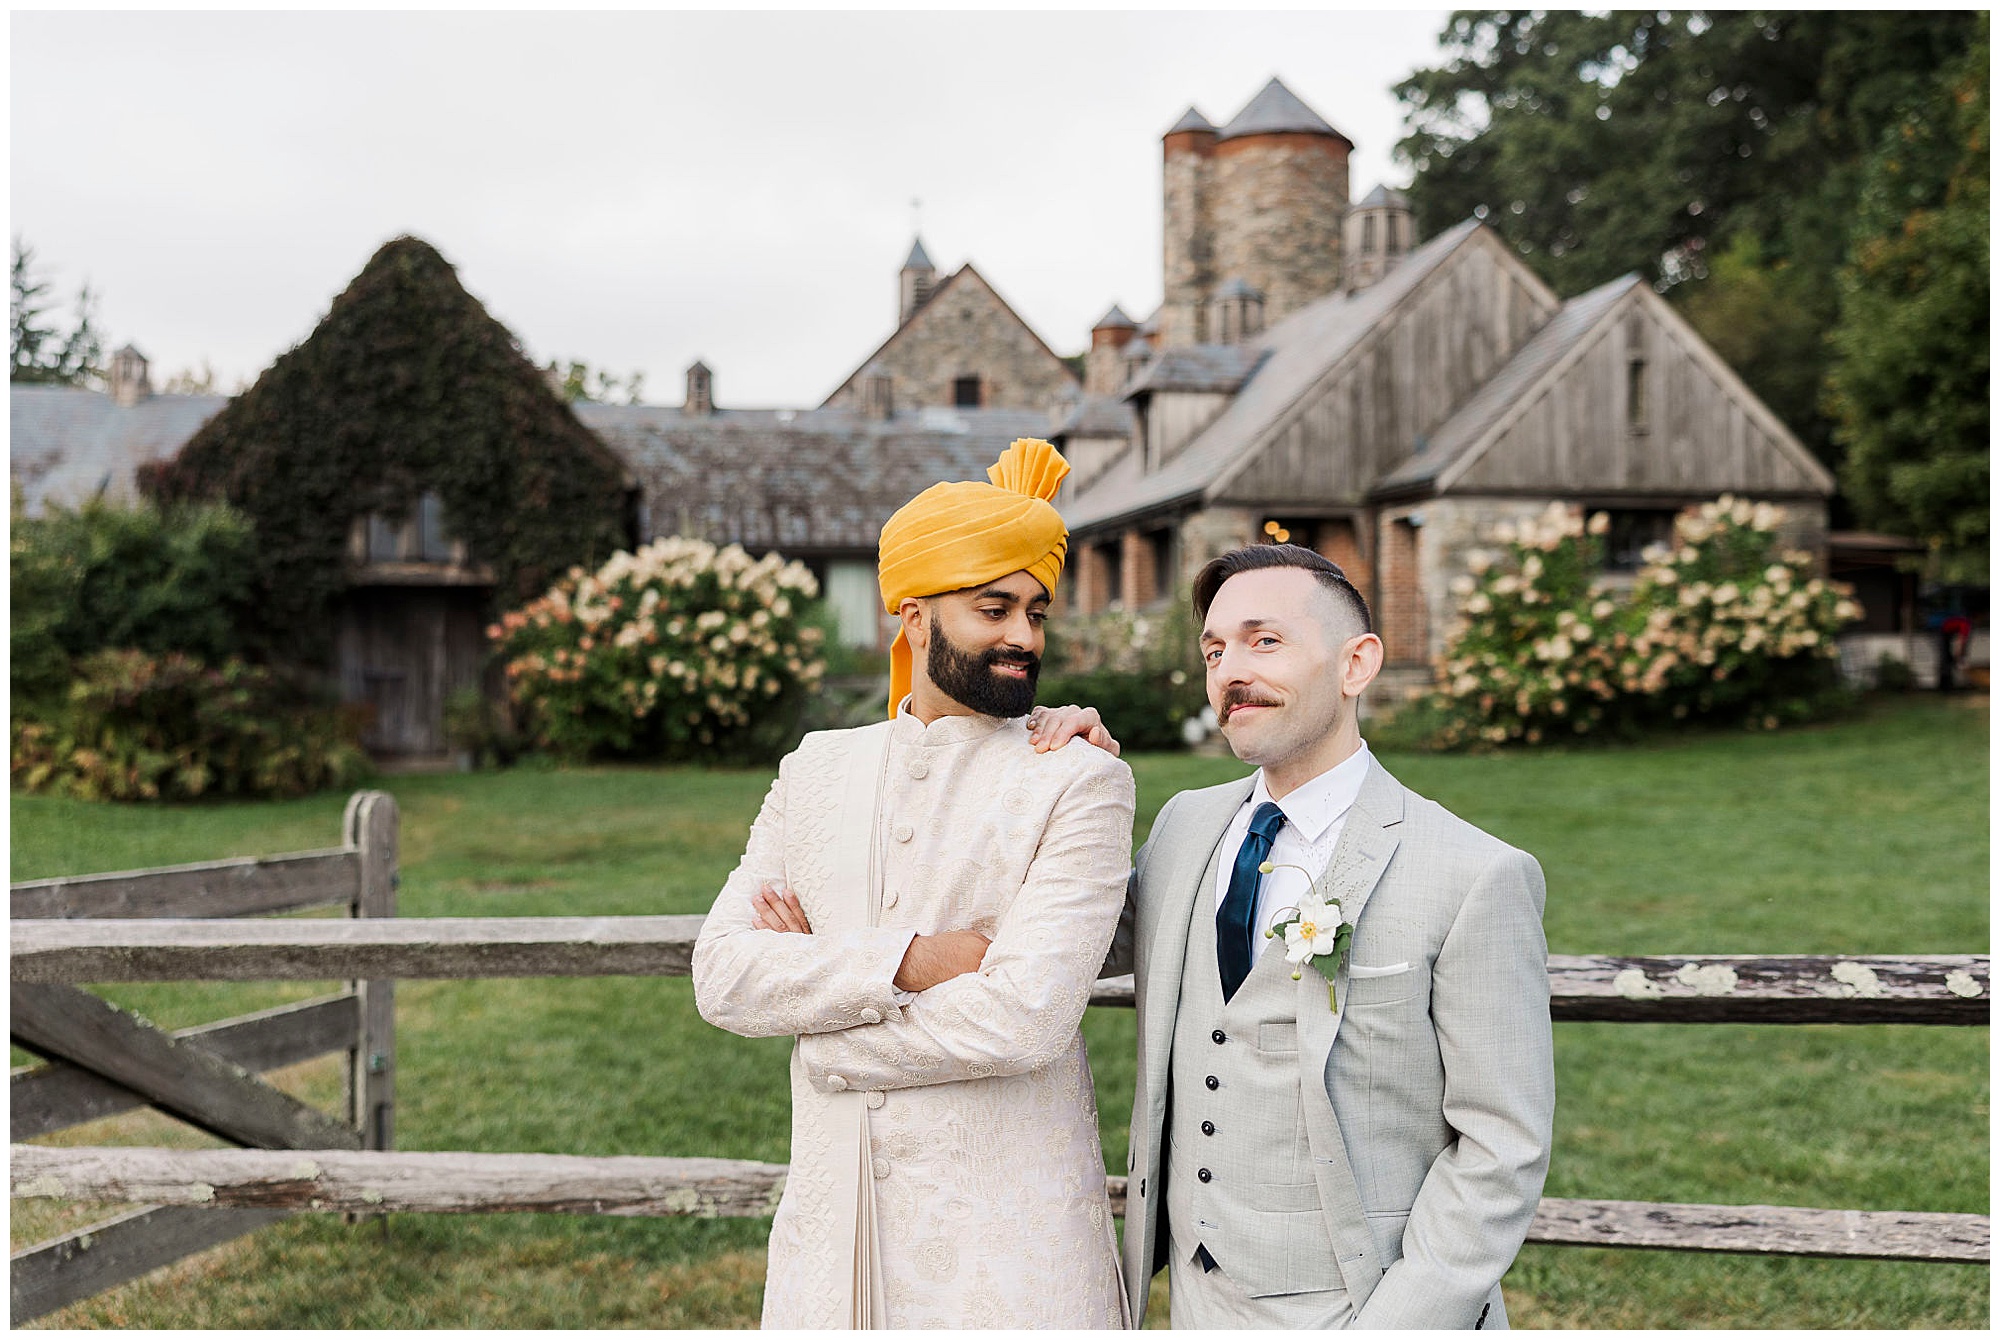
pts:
[1315, 933]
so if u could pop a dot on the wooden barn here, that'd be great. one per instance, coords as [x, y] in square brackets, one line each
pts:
[1391, 426]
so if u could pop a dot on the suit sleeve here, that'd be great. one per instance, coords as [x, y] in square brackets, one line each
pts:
[1020, 1011]
[1490, 1009]
[772, 984]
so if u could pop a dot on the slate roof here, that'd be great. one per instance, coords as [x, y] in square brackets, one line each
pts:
[1297, 353]
[798, 481]
[918, 260]
[1098, 416]
[68, 445]
[1191, 120]
[1383, 196]
[1276, 110]
[1115, 318]
[1197, 367]
[1463, 431]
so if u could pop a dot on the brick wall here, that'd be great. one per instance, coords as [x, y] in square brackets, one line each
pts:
[1400, 615]
[1337, 542]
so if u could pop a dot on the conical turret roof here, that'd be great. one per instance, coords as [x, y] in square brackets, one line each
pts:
[1277, 111]
[1115, 318]
[1191, 120]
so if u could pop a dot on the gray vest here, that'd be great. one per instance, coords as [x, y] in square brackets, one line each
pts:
[1239, 1168]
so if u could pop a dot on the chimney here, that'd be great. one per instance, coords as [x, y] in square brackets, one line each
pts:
[700, 401]
[129, 384]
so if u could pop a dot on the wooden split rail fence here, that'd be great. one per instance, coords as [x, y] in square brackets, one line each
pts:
[188, 923]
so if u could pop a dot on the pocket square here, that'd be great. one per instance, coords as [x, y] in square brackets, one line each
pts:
[1361, 970]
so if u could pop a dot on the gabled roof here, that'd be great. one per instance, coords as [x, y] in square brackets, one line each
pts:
[66, 445]
[1466, 429]
[798, 481]
[1097, 416]
[931, 304]
[1197, 367]
[1276, 110]
[1297, 352]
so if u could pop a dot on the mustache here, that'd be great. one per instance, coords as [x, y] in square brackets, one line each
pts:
[1235, 698]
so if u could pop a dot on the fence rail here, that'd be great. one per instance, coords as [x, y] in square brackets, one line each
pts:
[460, 1183]
[1687, 988]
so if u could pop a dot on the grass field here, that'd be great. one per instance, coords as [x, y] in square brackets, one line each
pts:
[1865, 836]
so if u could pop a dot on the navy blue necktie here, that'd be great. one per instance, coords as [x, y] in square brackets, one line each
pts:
[1235, 929]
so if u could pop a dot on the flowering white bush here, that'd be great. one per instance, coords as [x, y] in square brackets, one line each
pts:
[677, 650]
[1717, 625]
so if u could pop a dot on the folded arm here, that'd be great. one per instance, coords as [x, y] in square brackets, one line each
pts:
[1021, 1009]
[766, 983]
[1490, 1006]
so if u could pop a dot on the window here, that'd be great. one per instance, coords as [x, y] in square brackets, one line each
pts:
[1114, 574]
[1632, 530]
[1368, 232]
[965, 392]
[1395, 241]
[1635, 395]
[421, 536]
[1165, 574]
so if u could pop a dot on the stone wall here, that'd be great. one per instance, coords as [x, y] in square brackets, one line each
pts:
[965, 330]
[1189, 237]
[1278, 204]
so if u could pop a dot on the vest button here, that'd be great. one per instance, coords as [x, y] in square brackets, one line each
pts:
[1208, 1128]
[1213, 1082]
[1219, 1036]
[1204, 1174]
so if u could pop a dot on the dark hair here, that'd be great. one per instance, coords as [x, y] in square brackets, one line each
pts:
[1254, 557]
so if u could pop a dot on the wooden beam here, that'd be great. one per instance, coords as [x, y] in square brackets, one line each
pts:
[1772, 989]
[1766, 1230]
[205, 889]
[177, 1076]
[73, 1267]
[57, 1095]
[363, 948]
[459, 1183]
[1684, 988]
[382, 1182]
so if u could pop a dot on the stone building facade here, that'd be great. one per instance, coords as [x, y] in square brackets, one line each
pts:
[957, 344]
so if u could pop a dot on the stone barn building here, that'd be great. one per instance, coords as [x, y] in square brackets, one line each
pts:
[1315, 374]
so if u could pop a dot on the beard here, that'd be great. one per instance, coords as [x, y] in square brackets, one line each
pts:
[969, 678]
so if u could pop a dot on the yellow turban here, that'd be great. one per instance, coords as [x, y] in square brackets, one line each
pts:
[952, 536]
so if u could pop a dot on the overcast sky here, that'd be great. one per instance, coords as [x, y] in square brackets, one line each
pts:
[639, 190]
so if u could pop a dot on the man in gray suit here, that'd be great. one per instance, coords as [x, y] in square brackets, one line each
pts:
[1295, 1164]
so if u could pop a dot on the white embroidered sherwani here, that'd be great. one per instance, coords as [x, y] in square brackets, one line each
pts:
[975, 1097]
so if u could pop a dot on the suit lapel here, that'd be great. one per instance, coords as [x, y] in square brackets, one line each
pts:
[1187, 861]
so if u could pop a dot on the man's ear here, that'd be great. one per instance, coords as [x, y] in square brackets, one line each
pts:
[916, 623]
[1360, 662]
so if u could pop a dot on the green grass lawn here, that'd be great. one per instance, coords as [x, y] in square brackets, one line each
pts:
[1865, 836]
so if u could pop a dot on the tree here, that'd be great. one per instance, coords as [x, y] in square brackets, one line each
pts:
[1912, 347]
[41, 351]
[407, 387]
[574, 380]
[1659, 142]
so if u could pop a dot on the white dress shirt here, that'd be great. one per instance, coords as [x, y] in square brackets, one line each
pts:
[1315, 814]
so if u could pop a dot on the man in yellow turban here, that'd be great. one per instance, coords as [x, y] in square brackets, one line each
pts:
[924, 904]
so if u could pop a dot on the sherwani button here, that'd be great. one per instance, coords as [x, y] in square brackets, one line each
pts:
[1219, 1036]
[920, 769]
[1208, 1128]
[871, 1015]
[904, 832]
[836, 1083]
[1214, 1083]
[881, 1169]
[876, 1099]
[1204, 1175]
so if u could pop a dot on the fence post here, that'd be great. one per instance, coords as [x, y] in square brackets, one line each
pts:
[369, 826]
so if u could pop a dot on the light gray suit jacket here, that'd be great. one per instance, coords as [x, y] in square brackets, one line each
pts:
[1428, 1099]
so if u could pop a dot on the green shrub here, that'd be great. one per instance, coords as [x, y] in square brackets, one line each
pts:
[1142, 671]
[1144, 711]
[1893, 674]
[1717, 627]
[138, 727]
[102, 576]
[679, 651]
